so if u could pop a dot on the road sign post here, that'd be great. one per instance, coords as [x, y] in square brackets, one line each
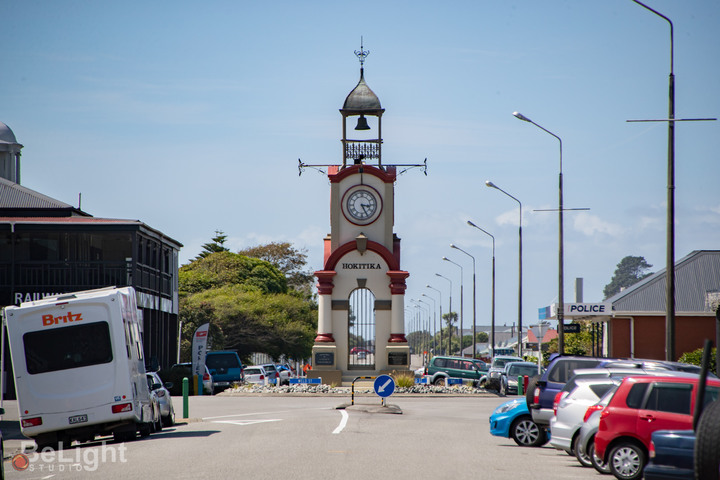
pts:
[384, 386]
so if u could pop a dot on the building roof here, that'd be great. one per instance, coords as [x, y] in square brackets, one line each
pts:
[78, 223]
[6, 134]
[695, 275]
[14, 196]
[362, 99]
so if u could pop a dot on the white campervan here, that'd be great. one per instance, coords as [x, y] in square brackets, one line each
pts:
[79, 367]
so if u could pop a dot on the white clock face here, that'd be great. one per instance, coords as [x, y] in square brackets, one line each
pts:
[362, 205]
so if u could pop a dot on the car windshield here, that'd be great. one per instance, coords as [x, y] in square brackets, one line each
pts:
[500, 362]
[518, 370]
[222, 360]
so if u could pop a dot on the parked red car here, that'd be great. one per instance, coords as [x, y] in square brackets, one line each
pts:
[640, 406]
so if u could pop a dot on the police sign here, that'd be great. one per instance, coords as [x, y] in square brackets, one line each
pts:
[583, 309]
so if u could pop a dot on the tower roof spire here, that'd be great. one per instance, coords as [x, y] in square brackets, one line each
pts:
[362, 54]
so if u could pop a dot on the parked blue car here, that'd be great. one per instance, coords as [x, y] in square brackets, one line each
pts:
[513, 420]
[672, 457]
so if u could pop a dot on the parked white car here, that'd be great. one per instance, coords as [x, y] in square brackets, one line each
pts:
[571, 409]
[256, 375]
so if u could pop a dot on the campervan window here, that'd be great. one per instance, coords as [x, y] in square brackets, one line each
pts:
[67, 347]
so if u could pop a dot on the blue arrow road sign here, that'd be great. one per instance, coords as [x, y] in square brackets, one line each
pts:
[384, 385]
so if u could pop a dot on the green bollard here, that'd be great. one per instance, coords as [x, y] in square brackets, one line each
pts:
[185, 390]
[521, 385]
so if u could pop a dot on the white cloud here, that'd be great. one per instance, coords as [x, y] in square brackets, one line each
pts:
[592, 225]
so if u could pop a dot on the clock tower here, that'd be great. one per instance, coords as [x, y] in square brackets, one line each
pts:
[361, 287]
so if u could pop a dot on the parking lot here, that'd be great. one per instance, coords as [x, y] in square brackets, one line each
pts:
[306, 437]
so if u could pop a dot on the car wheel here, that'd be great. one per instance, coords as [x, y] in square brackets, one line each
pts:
[502, 391]
[626, 461]
[597, 462]
[526, 433]
[582, 455]
[169, 421]
[158, 422]
[530, 393]
[440, 382]
[707, 456]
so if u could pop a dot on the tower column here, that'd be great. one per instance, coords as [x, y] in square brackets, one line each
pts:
[397, 321]
[325, 289]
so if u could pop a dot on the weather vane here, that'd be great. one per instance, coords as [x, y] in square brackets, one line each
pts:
[361, 54]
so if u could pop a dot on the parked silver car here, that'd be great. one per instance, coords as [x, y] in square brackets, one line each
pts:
[513, 370]
[155, 384]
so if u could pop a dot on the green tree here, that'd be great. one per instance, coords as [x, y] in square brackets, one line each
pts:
[250, 321]
[629, 271]
[217, 245]
[695, 358]
[223, 268]
[575, 343]
[248, 305]
[450, 318]
[288, 259]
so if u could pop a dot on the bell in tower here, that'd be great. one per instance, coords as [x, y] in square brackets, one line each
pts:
[362, 103]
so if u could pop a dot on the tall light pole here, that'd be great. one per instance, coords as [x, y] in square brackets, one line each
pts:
[670, 252]
[436, 324]
[561, 267]
[449, 312]
[430, 308]
[474, 337]
[520, 327]
[434, 343]
[417, 304]
[492, 328]
[462, 302]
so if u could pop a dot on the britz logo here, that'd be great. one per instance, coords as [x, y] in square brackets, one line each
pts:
[201, 334]
[52, 320]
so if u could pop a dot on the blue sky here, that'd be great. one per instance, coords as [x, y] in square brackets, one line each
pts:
[191, 118]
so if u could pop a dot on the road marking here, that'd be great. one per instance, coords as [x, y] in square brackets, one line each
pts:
[343, 422]
[263, 413]
[243, 423]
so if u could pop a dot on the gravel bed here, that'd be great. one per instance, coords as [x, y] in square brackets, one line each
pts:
[329, 390]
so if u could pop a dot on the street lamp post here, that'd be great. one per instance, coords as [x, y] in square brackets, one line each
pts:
[417, 304]
[449, 312]
[474, 336]
[430, 308]
[434, 343]
[561, 268]
[520, 327]
[436, 324]
[462, 303]
[670, 250]
[492, 327]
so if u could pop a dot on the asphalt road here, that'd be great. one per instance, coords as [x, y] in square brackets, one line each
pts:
[268, 437]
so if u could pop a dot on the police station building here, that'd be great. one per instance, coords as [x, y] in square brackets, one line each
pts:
[50, 247]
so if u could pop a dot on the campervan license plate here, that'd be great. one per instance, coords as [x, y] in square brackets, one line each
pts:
[78, 419]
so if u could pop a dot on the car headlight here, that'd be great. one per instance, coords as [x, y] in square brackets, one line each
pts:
[506, 407]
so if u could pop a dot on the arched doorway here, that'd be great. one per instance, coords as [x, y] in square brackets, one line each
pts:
[361, 330]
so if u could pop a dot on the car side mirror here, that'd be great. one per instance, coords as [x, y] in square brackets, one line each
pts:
[155, 386]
